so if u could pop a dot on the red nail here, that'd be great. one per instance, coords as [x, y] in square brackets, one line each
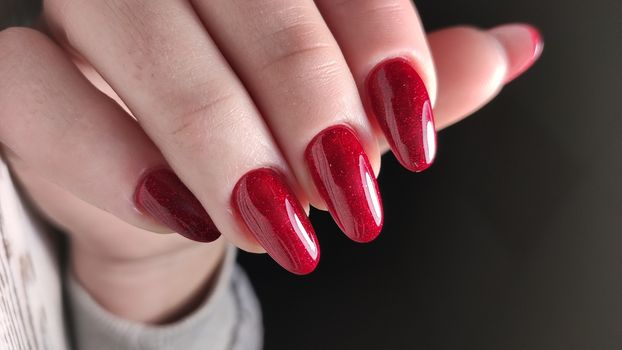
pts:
[399, 100]
[274, 216]
[162, 195]
[345, 180]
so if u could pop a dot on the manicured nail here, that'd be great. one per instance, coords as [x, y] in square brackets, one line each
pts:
[271, 212]
[399, 101]
[162, 195]
[345, 180]
[523, 44]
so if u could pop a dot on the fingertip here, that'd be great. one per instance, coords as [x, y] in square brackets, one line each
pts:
[523, 45]
[471, 67]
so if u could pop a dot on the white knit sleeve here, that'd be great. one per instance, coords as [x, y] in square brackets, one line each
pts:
[229, 318]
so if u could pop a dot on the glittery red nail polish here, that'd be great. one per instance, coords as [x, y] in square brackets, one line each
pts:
[399, 100]
[162, 195]
[271, 212]
[345, 180]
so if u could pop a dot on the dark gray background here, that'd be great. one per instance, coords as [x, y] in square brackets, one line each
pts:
[513, 240]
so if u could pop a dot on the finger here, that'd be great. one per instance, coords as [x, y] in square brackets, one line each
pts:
[170, 74]
[296, 73]
[473, 65]
[94, 232]
[387, 52]
[523, 46]
[60, 125]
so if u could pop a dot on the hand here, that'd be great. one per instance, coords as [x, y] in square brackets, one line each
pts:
[222, 92]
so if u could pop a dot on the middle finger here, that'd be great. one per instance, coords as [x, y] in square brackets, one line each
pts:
[293, 68]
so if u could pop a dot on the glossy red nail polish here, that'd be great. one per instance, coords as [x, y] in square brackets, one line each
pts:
[162, 195]
[345, 180]
[399, 100]
[271, 212]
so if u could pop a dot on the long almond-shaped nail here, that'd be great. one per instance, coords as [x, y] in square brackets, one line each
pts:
[163, 196]
[345, 180]
[272, 213]
[399, 101]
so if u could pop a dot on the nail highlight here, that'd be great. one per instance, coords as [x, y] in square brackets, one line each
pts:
[162, 195]
[398, 99]
[271, 212]
[345, 180]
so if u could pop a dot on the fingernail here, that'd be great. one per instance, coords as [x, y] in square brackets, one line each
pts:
[345, 180]
[400, 103]
[271, 212]
[162, 195]
[523, 44]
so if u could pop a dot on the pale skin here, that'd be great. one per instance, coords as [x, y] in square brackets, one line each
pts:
[197, 87]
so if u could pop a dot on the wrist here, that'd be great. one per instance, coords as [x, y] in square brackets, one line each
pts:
[156, 290]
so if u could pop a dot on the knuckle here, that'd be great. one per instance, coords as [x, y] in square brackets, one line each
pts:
[294, 42]
[301, 54]
[321, 80]
[387, 9]
[193, 127]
